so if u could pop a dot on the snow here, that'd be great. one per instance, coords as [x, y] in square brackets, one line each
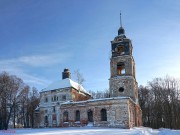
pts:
[64, 83]
[90, 124]
[168, 132]
[123, 77]
[78, 122]
[92, 131]
[94, 100]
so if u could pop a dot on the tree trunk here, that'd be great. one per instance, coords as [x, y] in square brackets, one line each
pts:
[14, 125]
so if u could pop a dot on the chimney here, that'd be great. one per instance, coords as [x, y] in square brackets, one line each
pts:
[66, 74]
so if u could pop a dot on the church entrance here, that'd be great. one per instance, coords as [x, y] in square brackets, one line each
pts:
[90, 115]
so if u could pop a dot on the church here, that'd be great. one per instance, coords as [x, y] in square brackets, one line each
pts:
[65, 103]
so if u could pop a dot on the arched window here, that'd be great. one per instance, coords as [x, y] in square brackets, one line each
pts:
[46, 99]
[54, 109]
[121, 68]
[77, 115]
[46, 119]
[65, 116]
[54, 97]
[121, 50]
[103, 115]
[90, 115]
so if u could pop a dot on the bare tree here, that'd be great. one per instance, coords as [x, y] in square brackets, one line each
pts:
[33, 103]
[17, 102]
[23, 106]
[160, 103]
[79, 77]
[10, 87]
[100, 94]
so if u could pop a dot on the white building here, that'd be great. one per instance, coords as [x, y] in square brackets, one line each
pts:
[65, 90]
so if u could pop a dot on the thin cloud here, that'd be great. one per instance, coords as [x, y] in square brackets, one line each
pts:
[18, 66]
[27, 78]
[30, 79]
[37, 60]
[43, 60]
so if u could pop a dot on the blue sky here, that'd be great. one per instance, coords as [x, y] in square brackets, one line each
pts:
[39, 38]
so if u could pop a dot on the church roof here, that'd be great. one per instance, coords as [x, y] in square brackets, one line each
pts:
[64, 83]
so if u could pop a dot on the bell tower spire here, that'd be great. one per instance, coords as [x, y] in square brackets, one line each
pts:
[120, 20]
[121, 31]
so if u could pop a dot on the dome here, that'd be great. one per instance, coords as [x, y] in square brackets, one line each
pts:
[121, 31]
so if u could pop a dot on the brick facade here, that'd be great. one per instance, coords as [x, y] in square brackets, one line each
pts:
[121, 112]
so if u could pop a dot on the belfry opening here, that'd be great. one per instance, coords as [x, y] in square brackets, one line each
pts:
[121, 68]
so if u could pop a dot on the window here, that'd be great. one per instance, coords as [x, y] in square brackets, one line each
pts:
[77, 115]
[46, 99]
[90, 116]
[103, 115]
[46, 119]
[54, 98]
[65, 116]
[121, 50]
[64, 97]
[121, 89]
[54, 109]
[120, 68]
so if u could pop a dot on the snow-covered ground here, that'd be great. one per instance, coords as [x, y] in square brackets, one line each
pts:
[91, 131]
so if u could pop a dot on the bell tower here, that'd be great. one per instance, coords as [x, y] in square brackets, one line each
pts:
[122, 67]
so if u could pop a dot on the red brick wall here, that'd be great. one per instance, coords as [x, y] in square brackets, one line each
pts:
[117, 113]
[79, 96]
